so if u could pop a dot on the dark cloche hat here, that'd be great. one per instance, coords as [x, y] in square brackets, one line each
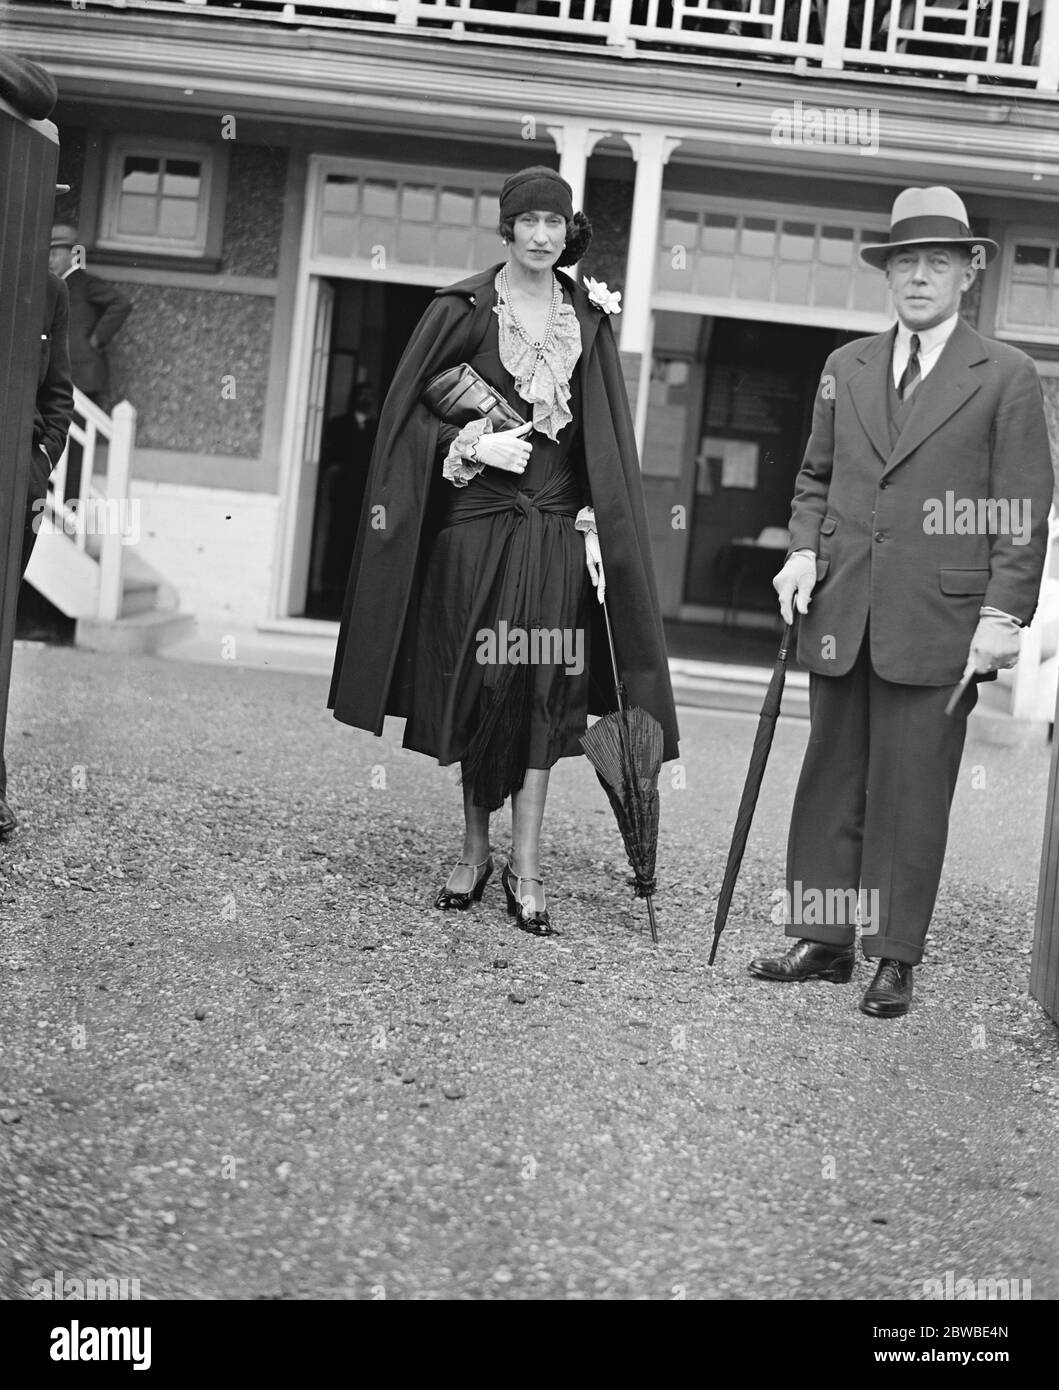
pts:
[536, 189]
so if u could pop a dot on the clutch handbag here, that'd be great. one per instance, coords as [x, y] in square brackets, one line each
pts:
[459, 395]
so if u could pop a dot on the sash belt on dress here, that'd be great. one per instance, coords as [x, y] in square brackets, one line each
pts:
[495, 761]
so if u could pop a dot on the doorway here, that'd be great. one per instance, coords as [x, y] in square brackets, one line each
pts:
[370, 322]
[760, 385]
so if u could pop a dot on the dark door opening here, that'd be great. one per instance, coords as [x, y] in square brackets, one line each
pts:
[371, 325]
[761, 379]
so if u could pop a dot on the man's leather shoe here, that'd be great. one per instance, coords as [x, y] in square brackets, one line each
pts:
[8, 819]
[807, 960]
[890, 994]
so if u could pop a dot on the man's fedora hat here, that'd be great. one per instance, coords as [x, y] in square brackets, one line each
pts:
[927, 217]
[62, 234]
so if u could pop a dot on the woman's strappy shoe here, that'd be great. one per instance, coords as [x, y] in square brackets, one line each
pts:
[461, 901]
[538, 923]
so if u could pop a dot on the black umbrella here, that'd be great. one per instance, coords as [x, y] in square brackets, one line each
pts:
[625, 748]
[755, 772]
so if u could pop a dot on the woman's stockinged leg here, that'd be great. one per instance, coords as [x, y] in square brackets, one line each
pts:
[475, 844]
[527, 816]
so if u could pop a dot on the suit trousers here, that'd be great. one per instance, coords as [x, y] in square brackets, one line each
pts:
[871, 813]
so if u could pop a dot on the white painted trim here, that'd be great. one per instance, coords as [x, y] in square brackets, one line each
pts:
[299, 627]
[187, 279]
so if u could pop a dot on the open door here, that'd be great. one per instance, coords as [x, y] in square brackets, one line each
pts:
[321, 315]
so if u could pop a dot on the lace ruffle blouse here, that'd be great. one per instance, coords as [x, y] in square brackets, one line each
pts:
[542, 380]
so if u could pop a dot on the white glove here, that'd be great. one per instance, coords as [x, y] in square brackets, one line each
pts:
[796, 579]
[594, 560]
[995, 644]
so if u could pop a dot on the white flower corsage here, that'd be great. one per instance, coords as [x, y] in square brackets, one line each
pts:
[598, 294]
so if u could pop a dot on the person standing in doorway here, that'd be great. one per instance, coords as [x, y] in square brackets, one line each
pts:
[98, 310]
[904, 600]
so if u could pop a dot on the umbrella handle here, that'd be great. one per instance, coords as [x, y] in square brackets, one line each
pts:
[614, 659]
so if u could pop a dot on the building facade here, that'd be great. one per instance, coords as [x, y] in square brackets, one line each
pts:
[279, 188]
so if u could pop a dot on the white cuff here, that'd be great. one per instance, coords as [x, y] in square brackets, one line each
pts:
[586, 520]
[458, 468]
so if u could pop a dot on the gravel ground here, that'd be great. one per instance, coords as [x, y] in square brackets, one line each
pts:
[243, 1058]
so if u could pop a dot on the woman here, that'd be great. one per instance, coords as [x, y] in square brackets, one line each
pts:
[471, 537]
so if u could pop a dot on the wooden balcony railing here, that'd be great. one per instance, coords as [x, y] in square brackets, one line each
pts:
[994, 42]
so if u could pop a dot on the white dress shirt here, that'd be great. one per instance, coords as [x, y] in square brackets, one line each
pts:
[931, 342]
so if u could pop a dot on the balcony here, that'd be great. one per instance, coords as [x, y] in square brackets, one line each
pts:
[970, 43]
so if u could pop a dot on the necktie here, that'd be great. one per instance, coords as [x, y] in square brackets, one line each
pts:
[910, 376]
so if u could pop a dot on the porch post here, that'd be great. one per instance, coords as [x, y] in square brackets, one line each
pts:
[651, 149]
[1048, 72]
[835, 33]
[575, 141]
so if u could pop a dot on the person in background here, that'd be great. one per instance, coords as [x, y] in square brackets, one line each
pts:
[51, 421]
[98, 309]
[345, 456]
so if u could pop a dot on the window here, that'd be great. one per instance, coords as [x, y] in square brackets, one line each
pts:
[408, 218]
[762, 256]
[1029, 293]
[162, 197]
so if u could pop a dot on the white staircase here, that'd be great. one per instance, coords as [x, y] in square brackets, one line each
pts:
[85, 560]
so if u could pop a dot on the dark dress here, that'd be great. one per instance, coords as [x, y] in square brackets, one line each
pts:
[505, 556]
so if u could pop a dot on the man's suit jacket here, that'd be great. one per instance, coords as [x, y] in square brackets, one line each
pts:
[55, 398]
[96, 307]
[976, 431]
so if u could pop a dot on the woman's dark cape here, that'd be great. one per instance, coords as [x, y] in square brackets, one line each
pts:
[376, 640]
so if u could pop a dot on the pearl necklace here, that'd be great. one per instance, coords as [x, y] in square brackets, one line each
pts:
[553, 314]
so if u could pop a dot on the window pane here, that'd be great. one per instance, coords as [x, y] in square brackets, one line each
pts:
[415, 242]
[417, 203]
[1028, 304]
[680, 229]
[178, 218]
[336, 236]
[1032, 263]
[830, 287]
[379, 199]
[836, 245]
[792, 284]
[340, 193]
[488, 210]
[136, 215]
[796, 242]
[452, 247]
[718, 233]
[374, 231]
[870, 291]
[183, 178]
[753, 279]
[758, 238]
[457, 205]
[140, 174]
[713, 275]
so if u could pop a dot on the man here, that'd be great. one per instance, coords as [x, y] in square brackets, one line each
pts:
[51, 420]
[912, 427]
[345, 456]
[97, 310]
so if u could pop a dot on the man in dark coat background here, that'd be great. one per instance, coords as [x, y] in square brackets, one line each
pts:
[919, 526]
[97, 311]
[51, 421]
